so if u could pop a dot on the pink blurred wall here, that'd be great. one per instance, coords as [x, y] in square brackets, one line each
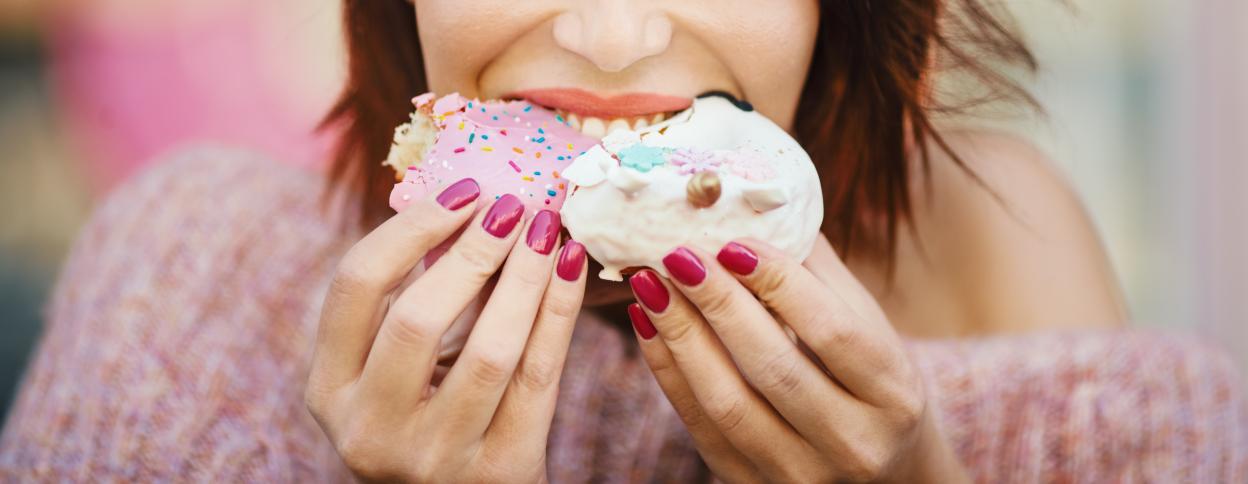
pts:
[136, 78]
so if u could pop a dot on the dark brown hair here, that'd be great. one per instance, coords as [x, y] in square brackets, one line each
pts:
[866, 107]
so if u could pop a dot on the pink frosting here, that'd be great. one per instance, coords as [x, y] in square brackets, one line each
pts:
[507, 146]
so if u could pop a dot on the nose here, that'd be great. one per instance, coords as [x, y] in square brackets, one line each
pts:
[613, 34]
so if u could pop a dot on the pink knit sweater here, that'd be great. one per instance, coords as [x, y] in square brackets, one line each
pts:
[178, 340]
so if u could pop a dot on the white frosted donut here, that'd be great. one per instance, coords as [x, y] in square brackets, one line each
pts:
[633, 202]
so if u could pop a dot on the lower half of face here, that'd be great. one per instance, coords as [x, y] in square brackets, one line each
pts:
[606, 64]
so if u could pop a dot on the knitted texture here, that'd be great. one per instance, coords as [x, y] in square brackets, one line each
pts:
[178, 341]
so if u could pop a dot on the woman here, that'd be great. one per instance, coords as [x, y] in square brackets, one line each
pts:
[179, 339]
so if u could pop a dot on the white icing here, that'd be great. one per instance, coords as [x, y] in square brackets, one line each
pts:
[589, 169]
[765, 196]
[637, 218]
[628, 181]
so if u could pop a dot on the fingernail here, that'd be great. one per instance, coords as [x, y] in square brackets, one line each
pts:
[685, 267]
[459, 194]
[571, 260]
[641, 322]
[737, 258]
[543, 232]
[649, 290]
[503, 216]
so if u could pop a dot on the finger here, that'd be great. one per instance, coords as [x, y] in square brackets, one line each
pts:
[405, 351]
[740, 413]
[372, 268]
[528, 404]
[472, 390]
[864, 354]
[769, 359]
[719, 454]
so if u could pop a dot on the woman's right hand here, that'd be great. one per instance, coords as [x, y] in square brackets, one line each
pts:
[371, 387]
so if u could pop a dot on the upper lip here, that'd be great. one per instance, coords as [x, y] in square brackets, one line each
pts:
[585, 103]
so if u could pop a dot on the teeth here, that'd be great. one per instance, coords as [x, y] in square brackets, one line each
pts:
[593, 127]
[598, 127]
[617, 124]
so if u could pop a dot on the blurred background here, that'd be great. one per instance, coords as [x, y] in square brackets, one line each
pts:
[1146, 99]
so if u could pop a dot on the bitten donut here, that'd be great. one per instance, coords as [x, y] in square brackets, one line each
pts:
[506, 146]
[713, 173]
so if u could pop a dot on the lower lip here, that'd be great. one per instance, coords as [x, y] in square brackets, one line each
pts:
[585, 103]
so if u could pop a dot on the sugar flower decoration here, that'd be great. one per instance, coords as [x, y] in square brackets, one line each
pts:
[689, 162]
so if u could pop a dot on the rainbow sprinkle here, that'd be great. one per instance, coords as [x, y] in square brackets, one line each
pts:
[514, 166]
[461, 149]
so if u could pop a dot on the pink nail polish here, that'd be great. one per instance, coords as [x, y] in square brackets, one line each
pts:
[543, 232]
[649, 290]
[571, 260]
[737, 258]
[459, 194]
[641, 322]
[685, 267]
[503, 216]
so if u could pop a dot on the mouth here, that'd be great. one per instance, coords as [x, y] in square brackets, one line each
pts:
[597, 116]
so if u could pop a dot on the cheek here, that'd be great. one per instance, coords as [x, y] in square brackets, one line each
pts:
[459, 37]
[769, 52]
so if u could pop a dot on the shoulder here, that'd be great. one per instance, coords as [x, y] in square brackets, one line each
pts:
[1011, 239]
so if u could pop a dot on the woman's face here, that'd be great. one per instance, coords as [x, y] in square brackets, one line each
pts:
[606, 63]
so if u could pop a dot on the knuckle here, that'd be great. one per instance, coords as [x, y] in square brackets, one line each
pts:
[561, 307]
[779, 374]
[771, 282]
[865, 463]
[909, 407]
[411, 331]
[538, 373]
[834, 336]
[727, 413]
[316, 399]
[532, 281]
[363, 456]
[664, 367]
[718, 303]
[690, 412]
[489, 369]
[683, 330]
[476, 257]
[352, 277]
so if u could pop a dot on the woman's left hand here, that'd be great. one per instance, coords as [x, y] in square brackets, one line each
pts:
[842, 401]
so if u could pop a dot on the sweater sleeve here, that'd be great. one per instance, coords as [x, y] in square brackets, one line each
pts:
[177, 339]
[1114, 406]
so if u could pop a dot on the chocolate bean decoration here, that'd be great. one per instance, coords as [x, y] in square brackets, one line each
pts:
[703, 189]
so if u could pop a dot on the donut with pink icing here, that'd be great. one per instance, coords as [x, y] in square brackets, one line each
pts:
[506, 146]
